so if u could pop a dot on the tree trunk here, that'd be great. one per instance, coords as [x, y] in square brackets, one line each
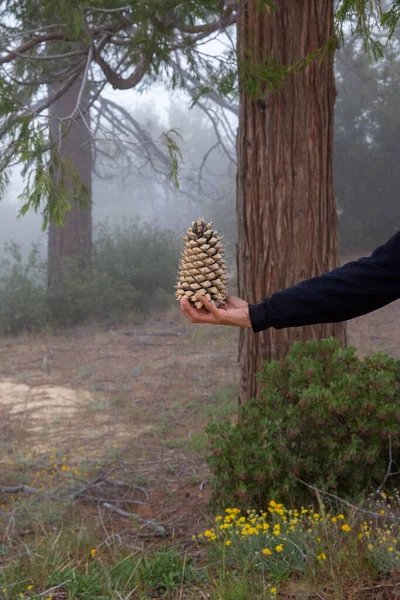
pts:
[287, 222]
[74, 239]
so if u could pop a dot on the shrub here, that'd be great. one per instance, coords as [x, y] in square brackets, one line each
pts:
[133, 270]
[322, 416]
[23, 304]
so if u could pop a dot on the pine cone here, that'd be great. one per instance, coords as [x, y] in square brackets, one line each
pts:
[202, 267]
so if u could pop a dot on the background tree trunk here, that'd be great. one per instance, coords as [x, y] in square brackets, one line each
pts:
[74, 239]
[287, 222]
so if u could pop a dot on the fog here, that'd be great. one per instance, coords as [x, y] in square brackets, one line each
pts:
[367, 147]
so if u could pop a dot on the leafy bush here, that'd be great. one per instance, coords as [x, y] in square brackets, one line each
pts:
[23, 303]
[322, 416]
[140, 259]
[133, 270]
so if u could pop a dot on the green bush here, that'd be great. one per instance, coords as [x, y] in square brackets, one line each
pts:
[23, 302]
[323, 416]
[133, 270]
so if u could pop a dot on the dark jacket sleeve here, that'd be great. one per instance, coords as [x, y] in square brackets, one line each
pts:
[355, 289]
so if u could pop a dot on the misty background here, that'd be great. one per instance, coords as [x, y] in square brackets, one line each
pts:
[366, 173]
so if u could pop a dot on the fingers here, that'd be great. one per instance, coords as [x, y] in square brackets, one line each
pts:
[210, 306]
[194, 315]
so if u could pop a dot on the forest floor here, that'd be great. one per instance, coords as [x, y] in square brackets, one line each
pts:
[114, 419]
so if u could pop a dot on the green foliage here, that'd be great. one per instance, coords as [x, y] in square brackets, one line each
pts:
[23, 303]
[164, 570]
[322, 416]
[367, 19]
[133, 271]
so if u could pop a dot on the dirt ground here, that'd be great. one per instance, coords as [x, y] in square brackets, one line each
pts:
[117, 415]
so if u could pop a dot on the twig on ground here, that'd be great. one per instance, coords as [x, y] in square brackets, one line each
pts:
[11, 585]
[101, 478]
[159, 529]
[56, 587]
[18, 488]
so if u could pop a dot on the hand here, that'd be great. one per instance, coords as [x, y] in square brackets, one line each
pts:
[234, 312]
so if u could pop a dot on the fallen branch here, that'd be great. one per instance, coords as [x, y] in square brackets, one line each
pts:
[56, 587]
[160, 530]
[18, 488]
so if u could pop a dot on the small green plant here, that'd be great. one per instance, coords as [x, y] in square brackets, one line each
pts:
[323, 417]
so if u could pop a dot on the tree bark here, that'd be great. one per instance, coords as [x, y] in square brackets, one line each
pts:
[287, 222]
[74, 239]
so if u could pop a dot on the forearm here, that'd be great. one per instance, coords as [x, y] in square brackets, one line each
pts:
[355, 289]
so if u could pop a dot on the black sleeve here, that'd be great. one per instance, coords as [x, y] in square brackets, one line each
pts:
[355, 289]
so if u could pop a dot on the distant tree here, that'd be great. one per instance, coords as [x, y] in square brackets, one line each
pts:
[56, 59]
[367, 147]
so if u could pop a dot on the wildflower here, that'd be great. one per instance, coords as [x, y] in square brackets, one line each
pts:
[267, 551]
[228, 543]
[93, 552]
[30, 587]
[390, 549]
[381, 512]
[273, 591]
[370, 547]
[346, 527]
[341, 517]
[279, 548]
[334, 520]
[322, 556]
[218, 518]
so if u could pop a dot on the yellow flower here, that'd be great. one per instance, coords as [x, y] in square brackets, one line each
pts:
[334, 520]
[322, 556]
[267, 551]
[279, 548]
[381, 512]
[30, 587]
[93, 551]
[228, 543]
[370, 547]
[390, 549]
[340, 517]
[218, 518]
[273, 591]
[345, 527]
